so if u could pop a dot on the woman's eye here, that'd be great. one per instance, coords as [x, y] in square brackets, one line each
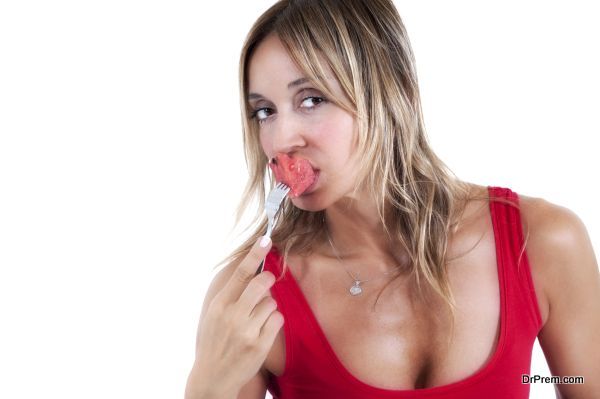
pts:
[260, 114]
[312, 101]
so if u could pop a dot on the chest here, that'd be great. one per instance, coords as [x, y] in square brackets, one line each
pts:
[396, 341]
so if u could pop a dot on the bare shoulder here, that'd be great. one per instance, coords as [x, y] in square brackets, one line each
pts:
[563, 262]
[545, 214]
[557, 242]
[554, 230]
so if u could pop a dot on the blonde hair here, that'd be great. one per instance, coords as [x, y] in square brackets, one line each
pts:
[366, 47]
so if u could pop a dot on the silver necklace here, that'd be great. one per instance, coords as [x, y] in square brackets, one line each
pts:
[356, 289]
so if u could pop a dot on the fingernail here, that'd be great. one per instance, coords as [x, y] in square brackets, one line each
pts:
[264, 242]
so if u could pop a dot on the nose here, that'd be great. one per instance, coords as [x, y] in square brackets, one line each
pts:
[287, 135]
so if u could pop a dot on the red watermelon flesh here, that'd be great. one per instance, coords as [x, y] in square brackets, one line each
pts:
[297, 173]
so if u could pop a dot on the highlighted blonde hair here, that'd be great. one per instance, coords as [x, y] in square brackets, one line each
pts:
[365, 46]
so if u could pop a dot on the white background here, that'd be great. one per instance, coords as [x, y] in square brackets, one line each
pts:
[121, 164]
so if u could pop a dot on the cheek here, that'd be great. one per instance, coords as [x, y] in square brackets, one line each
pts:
[265, 145]
[335, 135]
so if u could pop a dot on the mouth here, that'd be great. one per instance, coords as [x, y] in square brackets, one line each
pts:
[296, 172]
[274, 162]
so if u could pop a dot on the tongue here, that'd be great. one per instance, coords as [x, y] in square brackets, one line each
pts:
[296, 173]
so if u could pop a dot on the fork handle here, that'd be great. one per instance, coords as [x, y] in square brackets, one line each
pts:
[260, 268]
[268, 233]
[269, 228]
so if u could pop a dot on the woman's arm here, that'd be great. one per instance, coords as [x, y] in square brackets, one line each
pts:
[560, 250]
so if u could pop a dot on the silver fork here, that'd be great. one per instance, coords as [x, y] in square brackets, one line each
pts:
[274, 200]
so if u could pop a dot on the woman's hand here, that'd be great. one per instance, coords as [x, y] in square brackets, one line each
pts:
[236, 332]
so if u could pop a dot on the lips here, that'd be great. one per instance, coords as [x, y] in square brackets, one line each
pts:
[296, 172]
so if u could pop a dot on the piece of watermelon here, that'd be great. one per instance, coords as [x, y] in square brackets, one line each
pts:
[297, 173]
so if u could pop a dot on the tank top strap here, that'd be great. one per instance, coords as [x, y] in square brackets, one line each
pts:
[511, 248]
[303, 344]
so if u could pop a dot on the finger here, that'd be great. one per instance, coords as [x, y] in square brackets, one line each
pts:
[255, 291]
[261, 313]
[245, 272]
[272, 326]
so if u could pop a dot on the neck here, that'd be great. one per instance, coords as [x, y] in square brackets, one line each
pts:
[359, 238]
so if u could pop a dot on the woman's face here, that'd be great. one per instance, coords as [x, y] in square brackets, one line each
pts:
[294, 118]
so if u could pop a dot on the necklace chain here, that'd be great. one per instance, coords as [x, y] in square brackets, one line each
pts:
[356, 289]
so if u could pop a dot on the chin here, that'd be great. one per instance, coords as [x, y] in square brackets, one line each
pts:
[308, 203]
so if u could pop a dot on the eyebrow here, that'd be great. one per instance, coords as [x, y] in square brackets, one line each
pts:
[297, 82]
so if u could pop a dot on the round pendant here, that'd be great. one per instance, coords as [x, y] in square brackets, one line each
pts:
[355, 289]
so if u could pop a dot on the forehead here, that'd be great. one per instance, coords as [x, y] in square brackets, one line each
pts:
[271, 67]
[271, 63]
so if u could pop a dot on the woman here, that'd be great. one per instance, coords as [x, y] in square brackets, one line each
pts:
[390, 277]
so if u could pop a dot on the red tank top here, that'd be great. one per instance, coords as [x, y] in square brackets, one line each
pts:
[313, 371]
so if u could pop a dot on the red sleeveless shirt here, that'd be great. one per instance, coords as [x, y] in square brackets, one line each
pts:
[313, 371]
